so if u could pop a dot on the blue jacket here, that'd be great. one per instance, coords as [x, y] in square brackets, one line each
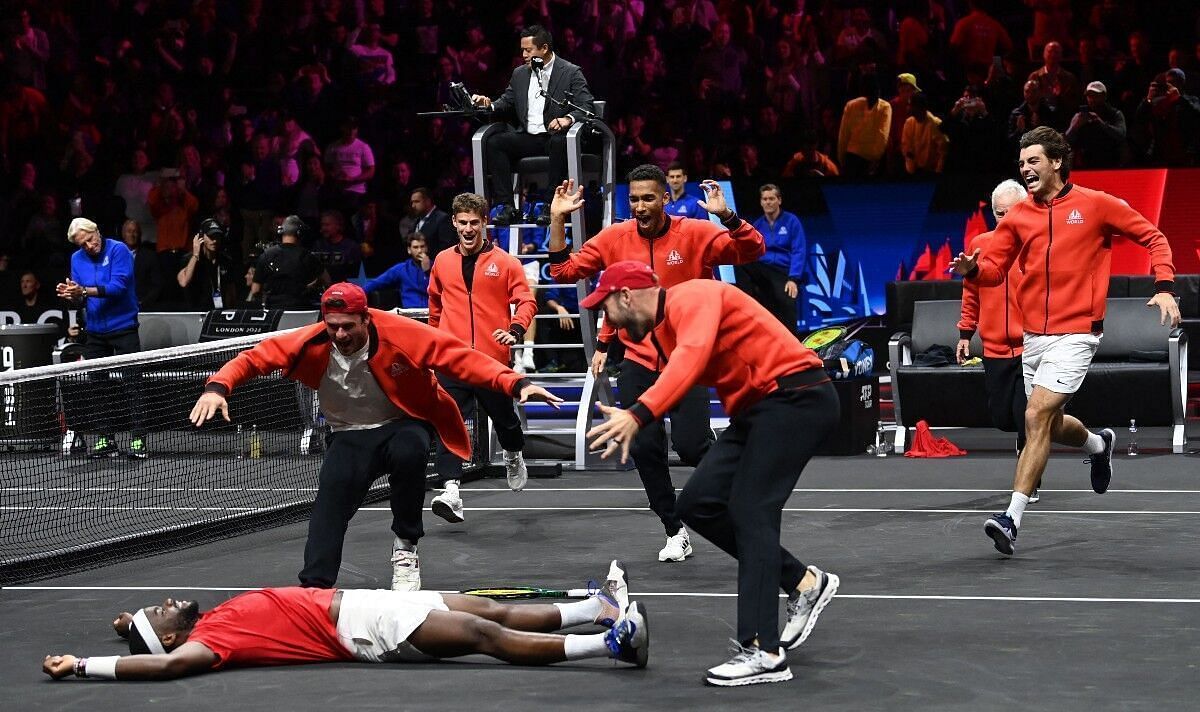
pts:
[688, 206]
[786, 245]
[115, 308]
[409, 279]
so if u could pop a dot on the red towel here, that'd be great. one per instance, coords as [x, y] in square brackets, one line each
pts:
[926, 444]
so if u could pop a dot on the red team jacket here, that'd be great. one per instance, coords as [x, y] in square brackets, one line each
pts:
[1063, 250]
[713, 334]
[402, 353]
[689, 249]
[993, 311]
[473, 315]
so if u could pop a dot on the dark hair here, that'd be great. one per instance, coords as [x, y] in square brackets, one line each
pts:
[677, 166]
[1053, 143]
[648, 171]
[541, 36]
[423, 191]
[469, 203]
[770, 186]
[417, 236]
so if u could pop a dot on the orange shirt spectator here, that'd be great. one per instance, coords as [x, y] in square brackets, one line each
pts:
[173, 208]
[978, 37]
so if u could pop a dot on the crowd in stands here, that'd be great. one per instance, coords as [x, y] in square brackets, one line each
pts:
[150, 117]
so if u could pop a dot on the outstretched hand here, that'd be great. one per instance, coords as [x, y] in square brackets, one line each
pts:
[207, 407]
[58, 666]
[614, 434]
[964, 264]
[532, 392]
[568, 198]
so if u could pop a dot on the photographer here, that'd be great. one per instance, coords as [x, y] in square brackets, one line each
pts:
[1097, 132]
[287, 275]
[205, 273]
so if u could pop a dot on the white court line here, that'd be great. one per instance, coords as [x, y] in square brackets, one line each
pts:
[686, 594]
[834, 510]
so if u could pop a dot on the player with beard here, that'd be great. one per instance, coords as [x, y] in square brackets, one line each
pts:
[678, 249]
[1061, 238]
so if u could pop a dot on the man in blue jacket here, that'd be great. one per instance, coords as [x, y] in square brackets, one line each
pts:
[102, 280]
[679, 201]
[410, 278]
[776, 278]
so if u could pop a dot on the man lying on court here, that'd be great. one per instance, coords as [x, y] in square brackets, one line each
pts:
[294, 625]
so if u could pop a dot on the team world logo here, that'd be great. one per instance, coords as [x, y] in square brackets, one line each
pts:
[1075, 218]
[674, 258]
[492, 270]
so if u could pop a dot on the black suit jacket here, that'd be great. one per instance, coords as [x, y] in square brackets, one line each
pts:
[565, 77]
[439, 232]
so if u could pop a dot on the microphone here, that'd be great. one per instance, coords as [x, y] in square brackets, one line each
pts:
[537, 64]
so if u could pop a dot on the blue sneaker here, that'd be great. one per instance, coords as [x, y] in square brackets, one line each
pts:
[1003, 532]
[1102, 462]
[629, 640]
[613, 595]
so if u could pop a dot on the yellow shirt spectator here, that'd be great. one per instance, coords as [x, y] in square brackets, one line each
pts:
[923, 144]
[864, 130]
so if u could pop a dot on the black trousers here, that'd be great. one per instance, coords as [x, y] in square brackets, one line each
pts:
[1004, 383]
[766, 285]
[736, 496]
[112, 394]
[691, 436]
[505, 148]
[498, 406]
[353, 461]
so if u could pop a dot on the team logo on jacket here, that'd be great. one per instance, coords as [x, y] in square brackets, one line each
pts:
[783, 230]
[399, 369]
[492, 270]
[1075, 218]
[674, 258]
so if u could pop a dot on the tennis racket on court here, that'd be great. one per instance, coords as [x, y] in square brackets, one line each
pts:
[513, 593]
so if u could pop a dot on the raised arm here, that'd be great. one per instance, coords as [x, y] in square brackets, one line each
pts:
[566, 266]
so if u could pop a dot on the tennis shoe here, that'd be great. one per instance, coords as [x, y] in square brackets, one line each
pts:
[803, 608]
[449, 506]
[1101, 462]
[678, 547]
[1003, 532]
[105, 447]
[137, 448]
[515, 470]
[406, 569]
[749, 666]
[613, 595]
[629, 640]
[1035, 497]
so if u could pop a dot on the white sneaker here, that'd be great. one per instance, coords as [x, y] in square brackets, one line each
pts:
[750, 666]
[678, 547]
[515, 470]
[803, 609]
[406, 570]
[448, 505]
[1035, 497]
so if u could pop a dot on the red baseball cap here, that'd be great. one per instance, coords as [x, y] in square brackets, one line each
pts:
[627, 273]
[354, 297]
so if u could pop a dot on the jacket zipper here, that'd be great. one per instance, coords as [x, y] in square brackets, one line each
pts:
[1049, 246]
[657, 366]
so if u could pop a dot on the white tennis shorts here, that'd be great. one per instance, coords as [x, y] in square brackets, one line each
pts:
[374, 625]
[1057, 362]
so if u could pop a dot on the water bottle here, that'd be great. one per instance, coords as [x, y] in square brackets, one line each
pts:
[255, 443]
[241, 443]
[881, 441]
[1133, 446]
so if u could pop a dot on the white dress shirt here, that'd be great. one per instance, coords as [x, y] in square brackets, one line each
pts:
[351, 398]
[535, 119]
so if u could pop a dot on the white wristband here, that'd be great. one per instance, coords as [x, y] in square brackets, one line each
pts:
[104, 668]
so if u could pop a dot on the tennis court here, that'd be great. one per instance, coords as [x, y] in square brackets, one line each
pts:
[1099, 609]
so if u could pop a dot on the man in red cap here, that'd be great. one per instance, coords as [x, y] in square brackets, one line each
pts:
[677, 249]
[374, 373]
[781, 406]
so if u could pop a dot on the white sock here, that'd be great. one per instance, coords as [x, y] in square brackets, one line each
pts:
[399, 544]
[578, 647]
[1017, 507]
[578, 612]
[1094, 444]
[451, 486]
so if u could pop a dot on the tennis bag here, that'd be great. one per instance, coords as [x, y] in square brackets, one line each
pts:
[848, 359]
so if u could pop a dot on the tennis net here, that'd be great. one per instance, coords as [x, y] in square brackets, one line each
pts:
[66, 507]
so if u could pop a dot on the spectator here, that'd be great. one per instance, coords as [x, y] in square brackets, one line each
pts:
[432, 222]
[775, 280]
[23, 118]
[1134, 72]
[978, 37]
[858, 41]
[1097, 132]
[42, 245]
[258, 193]
[146, 273]
[906, 86]
[1051, 24]
[172, 208]
[207, 274]
[32, 304]
[351, 165]
[923, 143]
[340, 254]
[863, 137]
[809, 161]
[977, 137]
[286, 275]
[1166, 126]
[374, 62]
[679, 201]
[102, 282]
[409, 278]
[1058, 87]
[134, 188]
[719, 67]
[1035, 111]
[29, 52]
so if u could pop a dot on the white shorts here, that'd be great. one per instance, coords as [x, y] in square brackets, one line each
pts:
[1057, 362]
[374, 625]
